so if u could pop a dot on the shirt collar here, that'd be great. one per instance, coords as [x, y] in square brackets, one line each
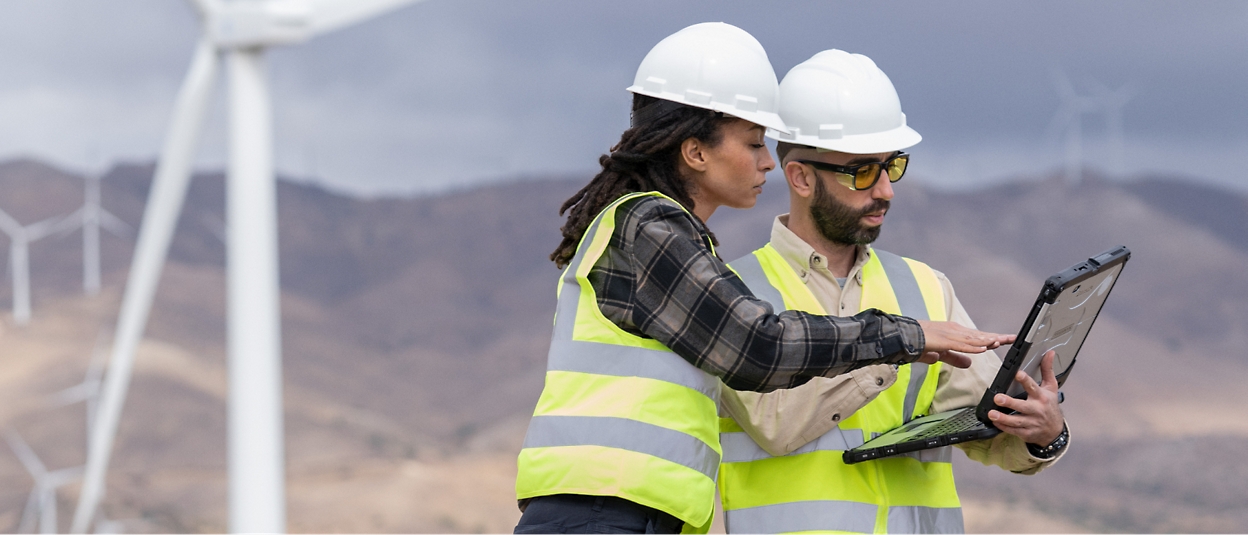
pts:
[802, 256]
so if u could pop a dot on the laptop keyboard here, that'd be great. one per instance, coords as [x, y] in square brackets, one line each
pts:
[964, 421]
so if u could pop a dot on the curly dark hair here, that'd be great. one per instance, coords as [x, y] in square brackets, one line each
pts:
[643, 160]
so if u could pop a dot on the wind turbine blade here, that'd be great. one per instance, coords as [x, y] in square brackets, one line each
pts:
[99, 360]
[330, 15]
[64, 476]
[9, 225]
[42, 229]
[1061, 82]
[172, 177]
[115, 225]
[26, 455]
[215, 225]
[73, 394]
[70, 222]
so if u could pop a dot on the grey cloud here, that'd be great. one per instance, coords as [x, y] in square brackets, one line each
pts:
[444, 93]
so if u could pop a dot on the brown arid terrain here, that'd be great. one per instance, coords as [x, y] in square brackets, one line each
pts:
[415, 331]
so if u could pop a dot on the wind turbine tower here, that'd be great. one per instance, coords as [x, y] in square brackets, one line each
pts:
[20, 238]
[240, 31]
[1112, 103]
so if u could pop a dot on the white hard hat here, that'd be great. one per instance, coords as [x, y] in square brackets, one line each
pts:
[842, 102]
[715, 66]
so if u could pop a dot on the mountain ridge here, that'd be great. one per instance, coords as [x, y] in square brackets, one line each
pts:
[415, 332]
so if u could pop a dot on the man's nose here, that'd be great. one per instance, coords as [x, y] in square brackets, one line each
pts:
[883, 187]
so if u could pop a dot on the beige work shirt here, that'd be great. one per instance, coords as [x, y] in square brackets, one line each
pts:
[785, 420]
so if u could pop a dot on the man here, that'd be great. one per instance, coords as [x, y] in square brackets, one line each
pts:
[781, 469]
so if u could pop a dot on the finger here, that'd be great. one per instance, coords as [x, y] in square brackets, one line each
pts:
[930, 357]
[1017, 405]
[1029, 384]
[966, 347]
[1011, 423]
[1046, 370]
[956, 360]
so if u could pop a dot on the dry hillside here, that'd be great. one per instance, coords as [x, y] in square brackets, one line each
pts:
[415, 331]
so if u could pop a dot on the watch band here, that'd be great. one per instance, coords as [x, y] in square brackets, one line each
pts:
[1050, 451]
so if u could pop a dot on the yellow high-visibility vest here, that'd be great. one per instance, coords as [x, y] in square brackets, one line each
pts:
[811, 489]
[620, 415]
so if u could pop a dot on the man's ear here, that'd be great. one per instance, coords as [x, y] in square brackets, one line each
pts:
[693, 153]
[801, 180]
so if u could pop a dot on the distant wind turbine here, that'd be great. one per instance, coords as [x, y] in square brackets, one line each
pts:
[42, 501]
[241, 31]
[1111, 103]
[90, 217]
[1069, 121]
[88, 391]
[20, 238]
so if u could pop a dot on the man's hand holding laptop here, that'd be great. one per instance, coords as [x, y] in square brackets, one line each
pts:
[1037, 419]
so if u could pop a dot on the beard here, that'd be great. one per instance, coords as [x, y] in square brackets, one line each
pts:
[841, 223]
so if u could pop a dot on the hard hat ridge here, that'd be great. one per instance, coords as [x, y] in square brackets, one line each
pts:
[714, 66]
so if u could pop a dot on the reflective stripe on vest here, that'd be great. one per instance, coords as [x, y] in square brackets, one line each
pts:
[620, 415]
[811, 489]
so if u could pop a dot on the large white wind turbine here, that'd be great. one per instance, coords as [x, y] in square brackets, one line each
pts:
[91, 217]
[1069, 120]
[42, 501]
[20, 238]
[241, 31]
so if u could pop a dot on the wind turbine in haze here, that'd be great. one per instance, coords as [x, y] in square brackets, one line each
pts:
[91, 217]
[1112, 103]
[88, 391]
[20, 238]
[42, 501]
[241, 31]
[1069, 122]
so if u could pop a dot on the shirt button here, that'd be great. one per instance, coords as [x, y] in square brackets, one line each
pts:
[836, 417]
[879, 381]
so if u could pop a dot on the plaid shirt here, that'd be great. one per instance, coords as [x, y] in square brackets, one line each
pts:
[659, 279]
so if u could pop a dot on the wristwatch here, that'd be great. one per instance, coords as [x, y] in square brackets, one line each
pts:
[1050, 451]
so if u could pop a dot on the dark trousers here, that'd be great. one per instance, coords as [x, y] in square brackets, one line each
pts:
[575, 513]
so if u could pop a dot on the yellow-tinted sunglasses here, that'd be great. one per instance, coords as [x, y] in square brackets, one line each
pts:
[864, 176]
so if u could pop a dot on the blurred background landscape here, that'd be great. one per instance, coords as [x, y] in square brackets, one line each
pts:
[415, 333]
[422, 157]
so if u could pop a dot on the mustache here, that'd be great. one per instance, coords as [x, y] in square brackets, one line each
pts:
[875, 206]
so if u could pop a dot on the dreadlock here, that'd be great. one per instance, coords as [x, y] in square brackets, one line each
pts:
[643, 160]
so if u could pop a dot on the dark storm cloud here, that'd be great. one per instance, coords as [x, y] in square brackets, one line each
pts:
[448, 92]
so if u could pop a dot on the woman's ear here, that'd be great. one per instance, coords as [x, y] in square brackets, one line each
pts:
[801, 180]
[693, 153]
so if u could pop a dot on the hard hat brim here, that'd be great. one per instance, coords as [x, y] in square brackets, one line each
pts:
[765, 119]
[900, 138]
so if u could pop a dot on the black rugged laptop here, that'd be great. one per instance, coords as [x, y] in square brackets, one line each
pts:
[1060, 320]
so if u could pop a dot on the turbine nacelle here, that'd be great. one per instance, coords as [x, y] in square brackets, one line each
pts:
[235, 25]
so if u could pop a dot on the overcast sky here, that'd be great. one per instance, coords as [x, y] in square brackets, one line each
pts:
[448, 93]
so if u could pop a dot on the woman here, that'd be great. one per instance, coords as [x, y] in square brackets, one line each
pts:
[649, 319]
